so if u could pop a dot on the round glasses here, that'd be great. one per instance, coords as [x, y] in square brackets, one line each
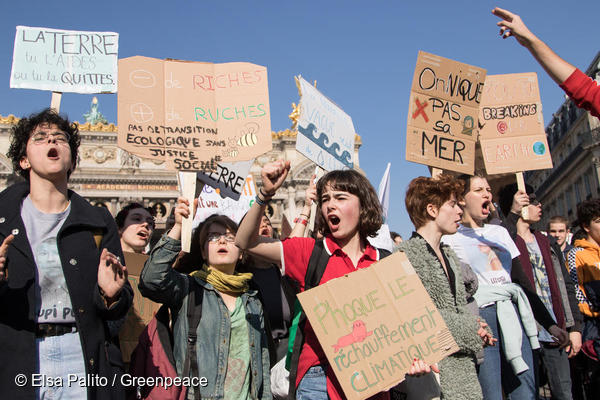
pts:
[43, 137]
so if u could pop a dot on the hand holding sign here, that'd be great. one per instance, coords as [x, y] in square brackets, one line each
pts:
[3, 251]
[182, 211]
[273, 174]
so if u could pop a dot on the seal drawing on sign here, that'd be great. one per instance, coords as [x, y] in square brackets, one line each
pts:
[358, 334]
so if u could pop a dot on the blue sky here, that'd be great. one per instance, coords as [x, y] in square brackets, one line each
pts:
[361, 53]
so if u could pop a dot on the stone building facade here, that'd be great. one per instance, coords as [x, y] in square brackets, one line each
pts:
[110, 177]
[574, 140]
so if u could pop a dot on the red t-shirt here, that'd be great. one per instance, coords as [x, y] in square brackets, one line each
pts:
[296, 254]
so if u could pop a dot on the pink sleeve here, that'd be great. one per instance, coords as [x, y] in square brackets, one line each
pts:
[584, 92]
[296, 253]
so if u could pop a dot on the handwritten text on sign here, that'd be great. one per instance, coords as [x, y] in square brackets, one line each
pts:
[65, 61]
[191, 114]
[512, 137]
[443, 112]
[373, 322]
[325, 131]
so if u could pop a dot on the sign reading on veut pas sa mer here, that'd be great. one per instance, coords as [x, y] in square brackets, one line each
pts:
[65, 61]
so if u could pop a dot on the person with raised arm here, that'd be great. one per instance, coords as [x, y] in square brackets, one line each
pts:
[348, 212]
[61, 276]
[582, 89]
[231, 351]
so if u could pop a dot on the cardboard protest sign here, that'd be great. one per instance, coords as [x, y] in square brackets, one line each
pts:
[373, 322]
[193, 115]
[229, 178]
[211, 202]
[442, 113]
[325, 131]
[512, 137]
[65, 61]
[143, 308]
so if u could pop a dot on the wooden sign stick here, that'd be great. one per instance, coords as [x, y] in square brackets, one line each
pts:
[313, 208]
[55, 102]
[187, 186]
[435, 172]
[521, 186]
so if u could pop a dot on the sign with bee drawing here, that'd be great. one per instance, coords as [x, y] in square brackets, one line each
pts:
[193, 115]
[325, 131]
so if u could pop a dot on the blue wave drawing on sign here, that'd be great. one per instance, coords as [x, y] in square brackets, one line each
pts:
[323, 142]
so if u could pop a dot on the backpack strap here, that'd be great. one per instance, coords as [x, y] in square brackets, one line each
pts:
[194, 314]
[314, 272]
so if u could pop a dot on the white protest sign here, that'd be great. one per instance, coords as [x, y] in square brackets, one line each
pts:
[229, 178]
[325, 131]
[65, 61]
[210, 202]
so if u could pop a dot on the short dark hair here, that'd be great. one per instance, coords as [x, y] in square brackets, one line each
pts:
[426, 190]
[371, 214]
[122, 215]
[193, 260]
[587, 211]
[558, 219]
[506, 194]
[21, 133]
[394, 235]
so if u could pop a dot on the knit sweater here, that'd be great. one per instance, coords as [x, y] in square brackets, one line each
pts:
[458, 377]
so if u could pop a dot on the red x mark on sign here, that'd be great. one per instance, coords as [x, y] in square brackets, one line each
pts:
[420, 110]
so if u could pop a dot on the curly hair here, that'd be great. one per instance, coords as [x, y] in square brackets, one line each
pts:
[124, 212]
[371, 214]
[588, 211]
[425, 190]
[22, 131]
[190, 262]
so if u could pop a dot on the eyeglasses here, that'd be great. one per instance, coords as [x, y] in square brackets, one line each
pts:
[216, 237]
[43, 137]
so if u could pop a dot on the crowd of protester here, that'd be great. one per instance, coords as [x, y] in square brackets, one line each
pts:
[522, 306]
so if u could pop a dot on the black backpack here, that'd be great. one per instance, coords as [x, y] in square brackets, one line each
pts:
[314, 272]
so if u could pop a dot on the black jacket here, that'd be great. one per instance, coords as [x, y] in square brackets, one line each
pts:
[80, 257]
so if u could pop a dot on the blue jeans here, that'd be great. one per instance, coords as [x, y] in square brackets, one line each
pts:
[313, 385]
[496, 374]
[59, 356]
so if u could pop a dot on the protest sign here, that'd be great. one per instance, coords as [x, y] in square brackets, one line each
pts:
[229, 178]
[373, 322]
[65, 61]
[512, 137]
[193, 115]
[143, 308]
[211, 202]
[325, 131]
[442, 113]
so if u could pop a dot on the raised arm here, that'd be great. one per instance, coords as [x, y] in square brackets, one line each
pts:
[247, 238]
[159, 281]
[512, 25]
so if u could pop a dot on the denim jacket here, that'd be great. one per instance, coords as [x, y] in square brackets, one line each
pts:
[161, 283]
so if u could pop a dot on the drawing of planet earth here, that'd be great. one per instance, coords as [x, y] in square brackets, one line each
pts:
[539, 148]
